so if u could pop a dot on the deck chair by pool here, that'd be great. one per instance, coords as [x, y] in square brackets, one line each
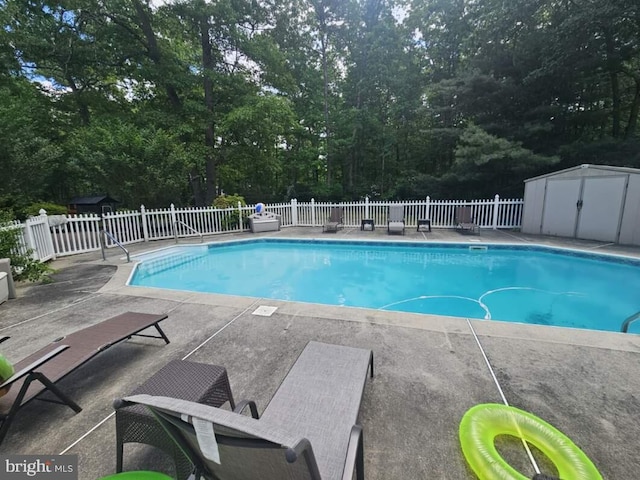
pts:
[395, 219]
[335, 220]
[464, 220]
[41, 370]
[309, 430]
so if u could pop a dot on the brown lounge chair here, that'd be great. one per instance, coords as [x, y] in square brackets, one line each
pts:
[308, 431]
[335, 220]
[464, 220]
[41, 370]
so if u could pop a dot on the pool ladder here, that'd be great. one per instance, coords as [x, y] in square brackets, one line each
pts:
[628, 321]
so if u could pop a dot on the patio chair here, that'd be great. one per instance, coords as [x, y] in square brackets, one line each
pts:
[196, 382]
[335, 220]
[309, 429]
[395, 219]
[464, 220]
[41, 370]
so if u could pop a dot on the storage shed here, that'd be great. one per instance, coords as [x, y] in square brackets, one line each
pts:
[97, 204]
[592, 202]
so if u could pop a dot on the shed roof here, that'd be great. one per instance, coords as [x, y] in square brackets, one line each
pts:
[92, 200]
[590, 166]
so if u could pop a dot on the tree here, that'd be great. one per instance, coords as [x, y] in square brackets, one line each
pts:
[333, 99]
[486, 164]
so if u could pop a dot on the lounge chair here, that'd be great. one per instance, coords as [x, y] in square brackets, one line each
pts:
[395, 219]
[335, 220]
[309, 429]
[41, 370]
[464, 220]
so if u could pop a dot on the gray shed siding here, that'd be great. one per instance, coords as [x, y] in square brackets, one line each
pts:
[594, 202]
[630, 229]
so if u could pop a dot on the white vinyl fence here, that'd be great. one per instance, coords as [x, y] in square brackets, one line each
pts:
[59, 235]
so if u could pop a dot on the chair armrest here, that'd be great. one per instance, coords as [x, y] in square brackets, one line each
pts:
[31, 367]
[355, 455]
[252, 406]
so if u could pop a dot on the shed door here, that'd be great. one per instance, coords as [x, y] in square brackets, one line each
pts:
[560, 207]
[602, 199]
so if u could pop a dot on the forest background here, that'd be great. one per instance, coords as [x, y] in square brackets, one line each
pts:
[159, 103]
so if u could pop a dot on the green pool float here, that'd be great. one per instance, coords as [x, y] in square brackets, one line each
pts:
[6, 372]
[483, 423]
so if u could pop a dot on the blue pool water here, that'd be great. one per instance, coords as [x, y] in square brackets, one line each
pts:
[509, 283]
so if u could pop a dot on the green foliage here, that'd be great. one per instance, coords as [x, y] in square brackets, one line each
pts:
[23, 266]
[138, 165]
[33, 210]
[230, 220]
[607, 151]
[486, 163]
[229, 201]
[333, 99]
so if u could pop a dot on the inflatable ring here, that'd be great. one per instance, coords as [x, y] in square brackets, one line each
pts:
[482, 423]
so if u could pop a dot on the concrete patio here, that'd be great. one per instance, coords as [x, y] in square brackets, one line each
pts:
[429, 370]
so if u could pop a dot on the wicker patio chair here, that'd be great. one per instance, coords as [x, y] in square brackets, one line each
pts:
[192, 381]
[309, 430]
[41, 370]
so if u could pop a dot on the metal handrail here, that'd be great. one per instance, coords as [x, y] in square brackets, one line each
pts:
[114, 240]
[628, 321]
[175, 230]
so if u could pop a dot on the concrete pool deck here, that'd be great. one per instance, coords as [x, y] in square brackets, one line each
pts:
[429, 370]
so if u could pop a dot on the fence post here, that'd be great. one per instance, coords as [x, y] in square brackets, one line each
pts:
[427, 206]
[29, 242]
[313, 212]
[103, 237]
[294, 212]
[174, 221]
[48, 235]
[366, 207]
[143, 217]
[496, 206]
[239, 216]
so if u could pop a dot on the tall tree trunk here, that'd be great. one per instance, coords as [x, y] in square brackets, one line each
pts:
[633, 114]
[153, 51]
[208, 65]
[327, 131]
[612, 66]
[83, 109]
[195, 179]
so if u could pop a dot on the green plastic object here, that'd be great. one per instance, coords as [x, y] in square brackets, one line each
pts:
[483, 423]
[6, 372]
[138, 475]
[6, 369]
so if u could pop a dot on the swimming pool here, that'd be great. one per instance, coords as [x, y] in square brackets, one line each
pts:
[515, 283]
